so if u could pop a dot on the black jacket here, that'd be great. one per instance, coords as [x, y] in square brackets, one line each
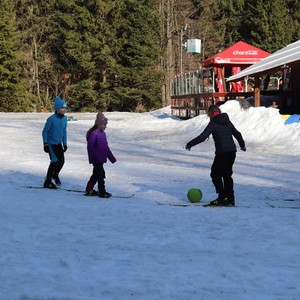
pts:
[222, 131]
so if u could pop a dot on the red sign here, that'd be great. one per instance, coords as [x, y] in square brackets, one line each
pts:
[248, 52]
[240, 54]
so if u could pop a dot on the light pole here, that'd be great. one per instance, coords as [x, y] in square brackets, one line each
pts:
[182, 30]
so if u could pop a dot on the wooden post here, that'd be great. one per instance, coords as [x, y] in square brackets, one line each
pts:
[256, 92]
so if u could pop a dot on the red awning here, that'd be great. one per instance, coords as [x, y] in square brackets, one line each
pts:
[240, 54]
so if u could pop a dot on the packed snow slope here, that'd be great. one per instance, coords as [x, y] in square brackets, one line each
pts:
[59, 245]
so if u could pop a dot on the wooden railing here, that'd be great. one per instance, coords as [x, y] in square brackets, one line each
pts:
[188, 106]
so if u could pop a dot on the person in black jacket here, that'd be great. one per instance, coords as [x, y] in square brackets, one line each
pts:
[222, 131]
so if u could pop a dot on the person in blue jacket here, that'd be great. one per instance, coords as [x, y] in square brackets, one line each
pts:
[223, 132]
[55, 142]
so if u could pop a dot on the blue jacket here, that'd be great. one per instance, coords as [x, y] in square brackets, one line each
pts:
[222, 131]
[55, 130]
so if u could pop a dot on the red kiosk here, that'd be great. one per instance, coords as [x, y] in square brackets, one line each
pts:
[232, 60]
[237, 57]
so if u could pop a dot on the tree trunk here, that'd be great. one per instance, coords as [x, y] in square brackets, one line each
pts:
[36, 71]
[167, 60]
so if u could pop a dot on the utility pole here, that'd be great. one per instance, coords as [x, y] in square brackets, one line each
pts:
[182, 30]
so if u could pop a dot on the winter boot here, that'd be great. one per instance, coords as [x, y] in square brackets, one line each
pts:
[220, 201]
[104, 194]
[231, 201]
[49, 184]
[91, 193]
[56, 179]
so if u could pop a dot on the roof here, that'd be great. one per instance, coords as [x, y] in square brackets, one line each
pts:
[288, 56]
[240, 54]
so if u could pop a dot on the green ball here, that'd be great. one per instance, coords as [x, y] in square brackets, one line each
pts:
[194, 195]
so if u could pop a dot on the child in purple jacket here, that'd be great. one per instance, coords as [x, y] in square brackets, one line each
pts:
[98, 152]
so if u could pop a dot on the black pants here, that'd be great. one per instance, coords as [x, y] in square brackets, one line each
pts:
[221, 174]
[57, 157]
[97, 176]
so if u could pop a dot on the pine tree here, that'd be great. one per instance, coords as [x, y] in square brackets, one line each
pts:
[228, 16]
[266, 25]
[38, 38]
[137, 55]
[13, 96]
[118, 54]
[293, 18]
[71, 46]
[209, 17]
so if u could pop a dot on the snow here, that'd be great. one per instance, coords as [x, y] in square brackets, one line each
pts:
[58, 245]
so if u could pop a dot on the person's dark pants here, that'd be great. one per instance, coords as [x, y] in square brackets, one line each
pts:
[97, 176]
[221, 174]
[57, 157]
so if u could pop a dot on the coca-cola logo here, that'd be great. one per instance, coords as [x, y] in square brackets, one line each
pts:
[247, 52]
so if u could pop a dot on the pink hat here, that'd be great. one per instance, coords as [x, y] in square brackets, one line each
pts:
[100, 119]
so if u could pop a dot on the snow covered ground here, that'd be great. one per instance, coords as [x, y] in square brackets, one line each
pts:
[58, 245]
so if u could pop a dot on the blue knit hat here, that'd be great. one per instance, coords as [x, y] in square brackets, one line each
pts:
[59, 103]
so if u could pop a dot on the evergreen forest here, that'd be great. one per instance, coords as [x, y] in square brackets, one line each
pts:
[121, 55]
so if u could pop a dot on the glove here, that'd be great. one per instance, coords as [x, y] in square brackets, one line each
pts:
[243, 148]
[46, 148]
[65, 147]
[187, 147]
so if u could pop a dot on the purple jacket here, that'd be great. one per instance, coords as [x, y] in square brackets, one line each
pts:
[97, 147]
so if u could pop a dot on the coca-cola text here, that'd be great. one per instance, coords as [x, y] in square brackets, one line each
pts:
[247, 52]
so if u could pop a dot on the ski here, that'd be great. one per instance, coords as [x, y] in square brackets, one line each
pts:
[231, 206]
[178, 204]
[285, 200]
[192, 204]
[204, 205]
[242, 206]
[83, 192]
[290, 207]
[79, 191]
[291, 199]
[211, 205]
